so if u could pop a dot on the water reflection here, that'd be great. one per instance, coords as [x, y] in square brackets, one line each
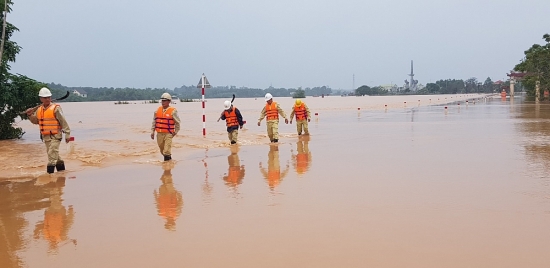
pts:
[207, 187]
[302, 159]
[23, 195]
[273, 174]
[536, 127]
[57, 219]
[235, 173]
[17, 198]
[169, 200]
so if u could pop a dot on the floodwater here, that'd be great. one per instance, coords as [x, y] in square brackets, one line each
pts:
[410, 184]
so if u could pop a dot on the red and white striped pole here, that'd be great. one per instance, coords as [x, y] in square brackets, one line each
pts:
[203, 83]
[203, 106]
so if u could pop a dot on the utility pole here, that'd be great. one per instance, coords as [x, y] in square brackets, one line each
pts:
[3, 30]
[411, 88]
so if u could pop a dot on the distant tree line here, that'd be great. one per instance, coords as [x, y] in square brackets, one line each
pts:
[183, 92]
[370, 91]
[470, 85]
[447, 86]
[192, 92]
[107, 94]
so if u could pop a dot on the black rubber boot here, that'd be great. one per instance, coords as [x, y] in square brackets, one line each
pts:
[233, 142]
[276, 140]
[167, 157]
[50, 169]
[60, 166]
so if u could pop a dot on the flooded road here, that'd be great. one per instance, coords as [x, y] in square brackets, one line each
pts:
[411, 185]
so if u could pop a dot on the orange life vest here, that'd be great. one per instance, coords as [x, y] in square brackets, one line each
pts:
[234, 175]
[300, 112]
[271, 111]
[53, 226]
[231, 118]
[273, 177]
[164, 122]
[47, 121]
[168, 204]
[301, 163]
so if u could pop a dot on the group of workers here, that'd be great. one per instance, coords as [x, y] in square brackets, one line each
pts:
[272, 110]
[166, 124]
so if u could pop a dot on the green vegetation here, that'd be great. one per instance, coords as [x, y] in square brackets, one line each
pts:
[17, 92]
[537, 66]
[299, 93]
[370, 91]
[109, 94]
[192, 92]
[184, 93]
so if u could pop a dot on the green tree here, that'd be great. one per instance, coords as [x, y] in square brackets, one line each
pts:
[299, 93]
[371, 91]
[471, 85]
[17, 92]
[362, 90]
[432, 88]
[488, 85]
[450, 86]
[537, 64]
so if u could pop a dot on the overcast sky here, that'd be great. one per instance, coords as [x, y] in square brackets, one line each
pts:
[283, 43]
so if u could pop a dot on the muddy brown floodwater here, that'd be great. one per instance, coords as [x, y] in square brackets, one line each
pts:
[410, 184]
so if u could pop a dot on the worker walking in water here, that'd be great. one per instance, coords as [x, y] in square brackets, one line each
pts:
[303, 116]
[233, 120]
[166, 123]
[272, 111]
[52, 123]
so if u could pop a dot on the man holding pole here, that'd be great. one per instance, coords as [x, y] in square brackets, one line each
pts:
[52, 123]
[166, 123]
[272, 111]
[233, 120]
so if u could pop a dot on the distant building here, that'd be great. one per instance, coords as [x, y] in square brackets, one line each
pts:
[390, 87]
[80, 93]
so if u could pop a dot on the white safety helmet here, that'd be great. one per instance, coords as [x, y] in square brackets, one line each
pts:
[44, 92]
[226, 104]
[166, 96]
[268, 97]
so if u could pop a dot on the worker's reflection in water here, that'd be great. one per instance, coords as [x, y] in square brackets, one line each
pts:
[235, 173]
[169, 200]
[273, 175]
[302, 159]
[57, 219]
